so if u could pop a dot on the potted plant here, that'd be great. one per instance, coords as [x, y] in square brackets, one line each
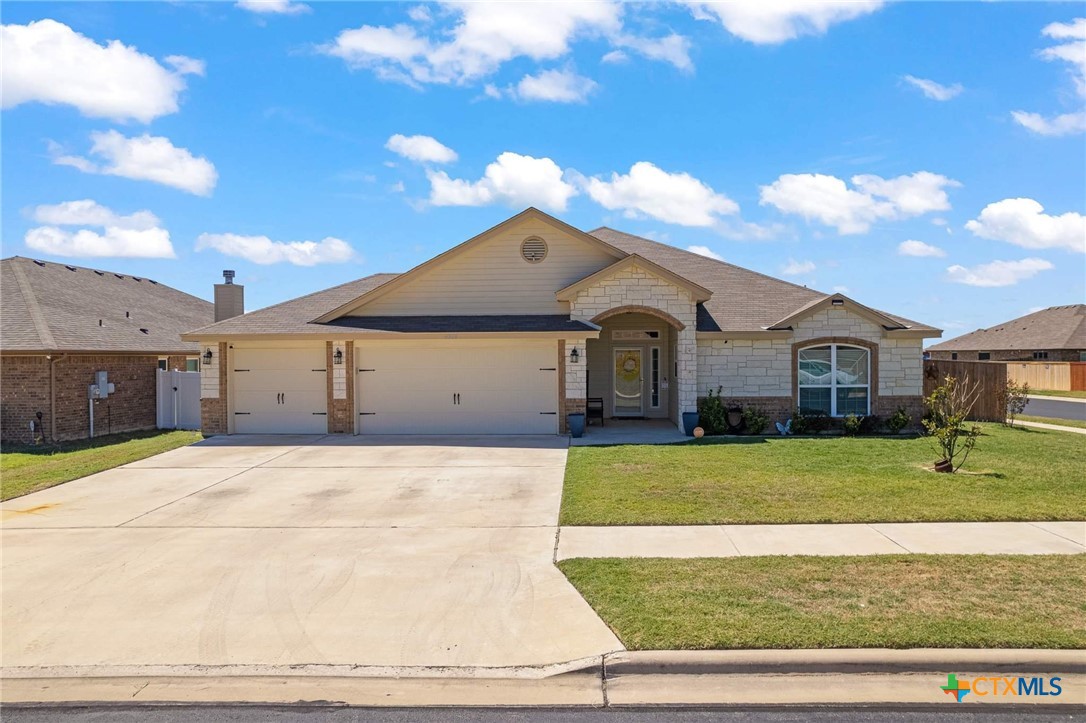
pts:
[575, 420]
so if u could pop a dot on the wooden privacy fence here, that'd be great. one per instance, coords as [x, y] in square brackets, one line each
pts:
[992, 377]
[1061, 376]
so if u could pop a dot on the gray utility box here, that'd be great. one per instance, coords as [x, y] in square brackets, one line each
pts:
[102, 387]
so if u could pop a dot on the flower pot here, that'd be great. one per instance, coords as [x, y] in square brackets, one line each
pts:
[576, 424]
[944, 465]
[690, 421]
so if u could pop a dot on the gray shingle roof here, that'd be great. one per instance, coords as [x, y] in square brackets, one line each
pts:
[451, 324]
[50, 307]
[293, 317]
[1057, 327]
[743, 300]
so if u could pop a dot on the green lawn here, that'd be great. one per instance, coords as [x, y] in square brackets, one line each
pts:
[1058, 393]
[1013, 474]
[884, 601]
[26, 469]
[1053, 420]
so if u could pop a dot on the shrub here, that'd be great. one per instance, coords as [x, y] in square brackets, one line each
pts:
[947, 409]
[810, 421]
[713, 416]
[853, 425]
[898, 421]
[1013, 398]
[754, 421]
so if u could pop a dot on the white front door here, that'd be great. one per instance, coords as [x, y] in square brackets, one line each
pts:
[629, 383]
[457, 387]
[280, 390]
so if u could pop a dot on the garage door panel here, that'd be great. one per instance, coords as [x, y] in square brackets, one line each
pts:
[276, 379]
[279, 391]
[510, 389]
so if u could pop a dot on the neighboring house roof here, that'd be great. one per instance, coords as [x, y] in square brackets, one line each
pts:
[1057, 327]
[294, 316]
[739, 300]
[463, 324]
[743, 300]
[51, 307]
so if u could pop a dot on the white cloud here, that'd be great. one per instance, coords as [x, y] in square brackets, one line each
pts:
[419, 13]
[616, 57]
[919, 248]
[512, 179]
[262, 250]
[933, 90]
[137, 235]
[184, 65]
[1065, 124]
[828, 200]
[1072, 52]
[840, 289]
[423, 149]
[797, 268]
[646, 190]
[485, 36]
[763, 22]
[145, 158]
[673, 49]
[705, 251]
[997, 273]
[48, 62]
[90, 213]
[555, 86]
[1023, 222]
[273, 7]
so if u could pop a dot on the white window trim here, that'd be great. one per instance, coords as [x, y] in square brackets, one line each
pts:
[833, 385]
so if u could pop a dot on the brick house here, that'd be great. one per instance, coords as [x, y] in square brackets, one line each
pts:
[524, 323]
[1057, 333]
[60, 325]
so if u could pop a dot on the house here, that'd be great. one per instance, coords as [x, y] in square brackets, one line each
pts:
[1057, 333]
[515, 328]
[62, 326]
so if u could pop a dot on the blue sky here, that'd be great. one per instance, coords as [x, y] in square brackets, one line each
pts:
[924, 158]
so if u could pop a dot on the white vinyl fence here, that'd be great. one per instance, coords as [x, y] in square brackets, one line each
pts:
[178, 400]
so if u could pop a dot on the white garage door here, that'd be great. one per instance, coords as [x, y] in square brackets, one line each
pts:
[280, 390]
[458, 388]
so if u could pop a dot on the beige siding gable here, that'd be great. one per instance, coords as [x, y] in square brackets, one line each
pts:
[491, 277]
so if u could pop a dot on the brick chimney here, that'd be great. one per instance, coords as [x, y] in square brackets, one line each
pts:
[229, 298]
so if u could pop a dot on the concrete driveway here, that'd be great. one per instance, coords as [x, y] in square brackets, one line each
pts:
[317, 554]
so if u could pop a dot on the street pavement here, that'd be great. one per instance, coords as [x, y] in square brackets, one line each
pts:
[1056, 408]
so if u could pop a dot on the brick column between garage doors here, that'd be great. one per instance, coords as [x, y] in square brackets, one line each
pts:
[340, 388]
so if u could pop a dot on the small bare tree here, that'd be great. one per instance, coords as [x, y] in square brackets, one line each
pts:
[949, 406]
[1013, 398]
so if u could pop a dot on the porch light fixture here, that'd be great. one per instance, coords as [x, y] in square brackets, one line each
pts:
[207, 356]
[337, 358]
[574, 356]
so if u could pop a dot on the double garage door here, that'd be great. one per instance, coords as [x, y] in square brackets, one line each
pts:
[457, 388]
[453, 387]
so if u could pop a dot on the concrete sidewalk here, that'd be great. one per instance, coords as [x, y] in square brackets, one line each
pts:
[1053, 427]
[960, 538]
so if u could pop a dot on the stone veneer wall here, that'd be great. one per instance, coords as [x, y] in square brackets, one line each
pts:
[638, 287]
[760, 371]
[572, 380]
[213, 392]
[340, 393]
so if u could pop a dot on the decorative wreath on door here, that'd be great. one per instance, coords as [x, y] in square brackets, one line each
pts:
[628, 366]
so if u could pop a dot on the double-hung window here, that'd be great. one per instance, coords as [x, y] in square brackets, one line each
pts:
[835, 379]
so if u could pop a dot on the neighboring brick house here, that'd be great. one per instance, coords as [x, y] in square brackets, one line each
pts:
[1057, 333]
[60, 325]
[521, 325]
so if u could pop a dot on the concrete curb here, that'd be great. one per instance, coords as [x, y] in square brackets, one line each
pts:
[862, 660]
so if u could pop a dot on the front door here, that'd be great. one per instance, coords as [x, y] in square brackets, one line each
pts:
[629, 383]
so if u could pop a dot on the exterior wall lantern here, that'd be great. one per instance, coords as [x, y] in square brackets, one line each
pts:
[208, 356]
[574, 356]
[337, 357]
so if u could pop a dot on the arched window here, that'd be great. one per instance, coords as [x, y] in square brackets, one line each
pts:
[835, 379]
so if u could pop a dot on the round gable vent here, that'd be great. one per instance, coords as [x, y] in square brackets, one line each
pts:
[533, 250]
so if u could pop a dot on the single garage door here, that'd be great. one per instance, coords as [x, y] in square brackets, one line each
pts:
[280, 390]
[458, 387]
